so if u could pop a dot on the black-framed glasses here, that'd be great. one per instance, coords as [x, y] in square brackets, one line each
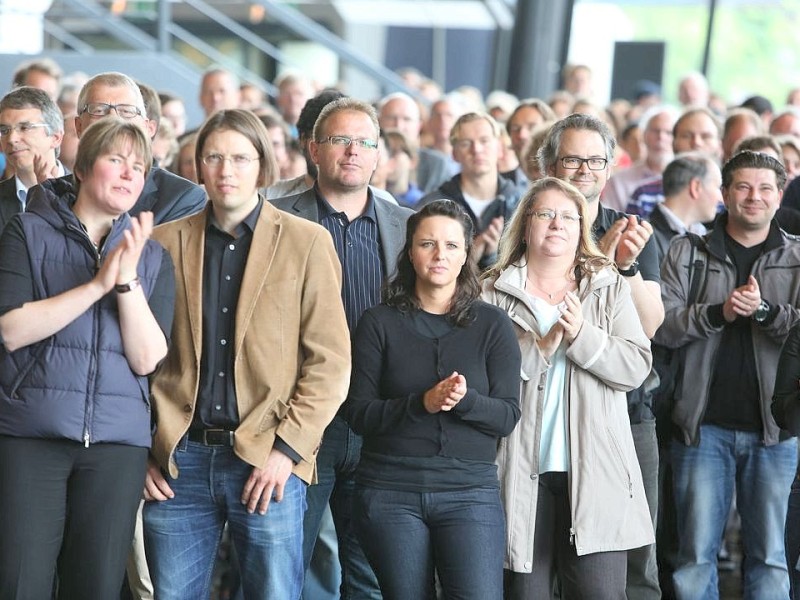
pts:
[548, 214]
[239, 161]
[595, 163]
[346, 140]
[23, 128]
[102, 109]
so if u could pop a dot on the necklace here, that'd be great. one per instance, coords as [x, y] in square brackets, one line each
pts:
[550, 295]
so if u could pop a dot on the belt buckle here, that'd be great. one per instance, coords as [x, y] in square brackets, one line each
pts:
[219, 434]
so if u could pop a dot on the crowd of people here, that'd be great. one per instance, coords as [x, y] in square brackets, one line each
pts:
[431, 345]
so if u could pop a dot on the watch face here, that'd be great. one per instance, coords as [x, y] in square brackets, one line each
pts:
[761, 312]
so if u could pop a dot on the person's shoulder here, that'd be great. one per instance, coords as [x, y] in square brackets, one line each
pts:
[163, 232]
[383, 205]
[488, 312]
[163, 178]
[289, 201]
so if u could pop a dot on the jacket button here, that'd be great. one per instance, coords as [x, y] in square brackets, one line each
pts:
[528, 565]
[540, 387]
[187, 408]
[534, 476]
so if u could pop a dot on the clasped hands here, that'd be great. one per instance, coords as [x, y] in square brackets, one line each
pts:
[567, 326]
[743, 301]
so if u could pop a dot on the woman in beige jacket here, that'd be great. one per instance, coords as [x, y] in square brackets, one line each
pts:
[570, 481]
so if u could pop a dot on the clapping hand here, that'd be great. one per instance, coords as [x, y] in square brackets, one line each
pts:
[445, 394]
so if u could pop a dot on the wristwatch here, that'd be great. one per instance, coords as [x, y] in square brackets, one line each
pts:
[630, 271]
[122, 288]
[762, 312]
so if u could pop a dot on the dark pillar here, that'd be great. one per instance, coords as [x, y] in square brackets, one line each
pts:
[539, 47]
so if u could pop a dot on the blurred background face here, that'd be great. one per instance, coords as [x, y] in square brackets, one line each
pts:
[791, 161]
[476, 149]
[521, 125]
[658, 135]
[697, 132]
[175, 112]
[218, 92]
[401, 114]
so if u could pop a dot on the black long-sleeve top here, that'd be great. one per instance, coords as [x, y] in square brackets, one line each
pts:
[394, 364]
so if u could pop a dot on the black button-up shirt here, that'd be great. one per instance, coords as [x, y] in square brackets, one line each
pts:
[224, 261]
[357, 244]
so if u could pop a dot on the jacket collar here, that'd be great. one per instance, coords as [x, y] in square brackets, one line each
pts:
[715, 239]
[512, 281]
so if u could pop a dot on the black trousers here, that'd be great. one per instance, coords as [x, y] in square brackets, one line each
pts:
[599, 576]
[69, 511]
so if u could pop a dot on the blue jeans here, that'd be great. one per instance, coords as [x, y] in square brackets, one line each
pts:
[459, 534]
[182, 534]
[704, 480]
[793, 537]
[337, 460]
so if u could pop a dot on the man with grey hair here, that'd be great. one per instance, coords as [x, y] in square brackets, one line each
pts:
[31, 130]
[578, 149]
[166, 195]
[368, 234]
[656, 123]
[400, 111]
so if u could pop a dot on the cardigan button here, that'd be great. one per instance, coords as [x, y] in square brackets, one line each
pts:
[187, 408]
[534, 476]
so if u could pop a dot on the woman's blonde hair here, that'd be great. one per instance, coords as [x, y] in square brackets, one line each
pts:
[513, 248]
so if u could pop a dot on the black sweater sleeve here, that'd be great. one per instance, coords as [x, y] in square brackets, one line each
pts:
[498, 411]
[365, 410]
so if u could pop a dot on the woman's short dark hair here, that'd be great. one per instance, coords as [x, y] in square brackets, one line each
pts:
[400, 291]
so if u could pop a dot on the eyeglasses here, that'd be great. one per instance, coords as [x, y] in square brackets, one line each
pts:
[239, 161]
[547, 214]
[22, 128]
[595, 163]
[345, 141]
[101, 109]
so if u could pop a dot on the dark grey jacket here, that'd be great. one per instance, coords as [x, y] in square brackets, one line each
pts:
[777, 271]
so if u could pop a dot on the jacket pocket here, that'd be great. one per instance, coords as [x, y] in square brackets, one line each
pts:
[625, 471]
[23, 373]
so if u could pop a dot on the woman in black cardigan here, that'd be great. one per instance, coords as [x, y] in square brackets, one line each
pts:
[435, 384]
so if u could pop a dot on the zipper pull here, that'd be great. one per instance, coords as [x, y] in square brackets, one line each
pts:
[571, 536]
[86, 439]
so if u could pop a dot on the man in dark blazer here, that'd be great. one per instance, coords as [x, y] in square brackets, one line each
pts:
[31, 129]
[368, 234]
[166, 195]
